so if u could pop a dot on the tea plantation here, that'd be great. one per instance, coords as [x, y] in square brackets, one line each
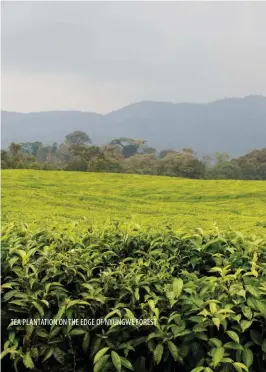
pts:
[133, 273]
[46, 197]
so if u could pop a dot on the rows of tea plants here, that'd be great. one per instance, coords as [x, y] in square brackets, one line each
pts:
[204, 292]
[43, 197]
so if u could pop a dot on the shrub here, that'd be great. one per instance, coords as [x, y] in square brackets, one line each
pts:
[20, 165]
[35, 166]
[4, 165]
[77, 165]
[203, 292]
[48, 166]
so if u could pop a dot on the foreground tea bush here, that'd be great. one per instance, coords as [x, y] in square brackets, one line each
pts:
[204, 292]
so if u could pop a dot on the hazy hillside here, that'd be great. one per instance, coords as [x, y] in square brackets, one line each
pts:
[233, 125]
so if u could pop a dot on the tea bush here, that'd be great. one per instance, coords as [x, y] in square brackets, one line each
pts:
[204, 291]
[44, 197]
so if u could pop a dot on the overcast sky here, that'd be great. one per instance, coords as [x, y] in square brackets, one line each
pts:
[100, 56]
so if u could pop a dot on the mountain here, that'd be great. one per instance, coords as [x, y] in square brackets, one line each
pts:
[233, 125]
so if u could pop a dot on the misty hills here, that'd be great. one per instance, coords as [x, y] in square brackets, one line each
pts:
[234, 125]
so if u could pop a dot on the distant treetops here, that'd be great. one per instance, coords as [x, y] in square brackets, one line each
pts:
[129, 155]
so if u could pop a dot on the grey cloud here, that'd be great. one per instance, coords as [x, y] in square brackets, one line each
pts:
[144, 50]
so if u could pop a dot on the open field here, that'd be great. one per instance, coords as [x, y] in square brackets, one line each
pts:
[48, 197]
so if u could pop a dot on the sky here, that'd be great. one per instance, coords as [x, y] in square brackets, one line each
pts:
[100, 56]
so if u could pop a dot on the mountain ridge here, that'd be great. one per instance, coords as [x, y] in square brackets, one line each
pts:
[251, 96]
[234, 125]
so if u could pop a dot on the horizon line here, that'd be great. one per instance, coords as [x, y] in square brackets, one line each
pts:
[137, 103]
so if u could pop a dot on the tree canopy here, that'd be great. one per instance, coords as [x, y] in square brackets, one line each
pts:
[77, 138]
[128, 155]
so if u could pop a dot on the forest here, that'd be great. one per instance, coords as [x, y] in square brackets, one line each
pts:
[133, 156]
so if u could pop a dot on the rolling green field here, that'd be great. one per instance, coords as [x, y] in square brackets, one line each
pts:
[45, 198]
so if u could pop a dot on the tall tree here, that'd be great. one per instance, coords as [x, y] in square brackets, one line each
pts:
[221, 158]
[182, 164]
[77, 138]
[44, 153]
[31, 147]
[129, 146]
[14, 148]
[253, 164]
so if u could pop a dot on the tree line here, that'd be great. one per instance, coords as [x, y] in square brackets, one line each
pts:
[127, 155]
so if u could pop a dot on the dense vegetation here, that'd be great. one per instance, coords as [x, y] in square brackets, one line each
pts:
[126, 155]
[42, 197]
[124, 248]
[204, 294]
